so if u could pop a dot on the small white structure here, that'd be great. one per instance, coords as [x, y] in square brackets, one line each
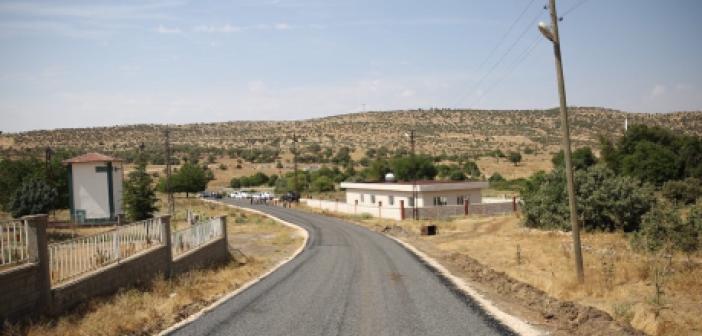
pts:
[95, 188]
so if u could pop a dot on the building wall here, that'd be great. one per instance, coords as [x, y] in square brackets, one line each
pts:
[216, 252]
[424, 198]
[90, 190]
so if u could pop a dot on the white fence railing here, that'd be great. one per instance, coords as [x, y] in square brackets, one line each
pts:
[13, 242]
[197, 235]
[78, 256]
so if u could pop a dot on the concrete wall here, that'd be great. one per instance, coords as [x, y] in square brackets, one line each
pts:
[135, 270]
[424, 198]
[214, 253]
[395, 212]
[25, 290]
[19, 294]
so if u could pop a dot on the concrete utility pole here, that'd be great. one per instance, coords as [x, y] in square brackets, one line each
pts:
[552, 35]
[171, 202]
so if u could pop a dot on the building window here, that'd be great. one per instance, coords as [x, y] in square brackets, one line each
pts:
[410, 201]
[100, 169]
[372, 199]
[459, 200]
[391, 200]
[440, 201]
[363, 198]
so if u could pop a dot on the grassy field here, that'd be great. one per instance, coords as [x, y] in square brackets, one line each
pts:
[618, 281]
[257, 244]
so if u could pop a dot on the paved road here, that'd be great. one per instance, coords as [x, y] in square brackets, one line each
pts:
[348, 281]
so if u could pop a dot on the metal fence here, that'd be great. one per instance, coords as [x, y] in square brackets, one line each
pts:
[197, 235]
[78, 256]
[13, 242]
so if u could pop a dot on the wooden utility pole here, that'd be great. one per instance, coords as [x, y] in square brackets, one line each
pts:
[171, 202]
[295, 185]
[415, 214]
[553, 36]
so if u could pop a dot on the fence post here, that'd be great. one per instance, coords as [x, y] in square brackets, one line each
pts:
[465, 207]
[514, 203]
[38, 249]
[166, 232]
[380, 206]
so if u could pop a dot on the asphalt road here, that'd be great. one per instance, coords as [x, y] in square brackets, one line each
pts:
[348, 281]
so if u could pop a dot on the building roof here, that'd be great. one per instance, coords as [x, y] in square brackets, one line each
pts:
[423, 185]
[91, 157]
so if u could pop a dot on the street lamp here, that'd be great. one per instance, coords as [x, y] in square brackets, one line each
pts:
[551, 33]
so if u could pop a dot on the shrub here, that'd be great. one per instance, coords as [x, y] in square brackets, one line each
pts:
[515, 157]
[685, 192]
[605, 201]
[496, 177]
[582, 158]
[33, 197]
[662, 228]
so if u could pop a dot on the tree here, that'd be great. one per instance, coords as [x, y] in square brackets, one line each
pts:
[190, 178]
[322, 184]
[651, 162]
[139, 197]
[582, 158]
[235, 183]
[34, 196]
[407, 168]
[515, 157]
[605, 201]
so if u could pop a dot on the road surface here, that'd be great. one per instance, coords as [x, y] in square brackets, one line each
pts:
[347, 281]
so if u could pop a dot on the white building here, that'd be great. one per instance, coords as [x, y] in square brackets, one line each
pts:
[395, 200]
[95, 188]
[428, 193]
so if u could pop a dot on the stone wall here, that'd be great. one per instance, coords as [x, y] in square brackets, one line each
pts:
[19, 294]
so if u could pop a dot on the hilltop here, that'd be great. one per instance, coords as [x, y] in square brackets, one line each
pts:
[438, 131]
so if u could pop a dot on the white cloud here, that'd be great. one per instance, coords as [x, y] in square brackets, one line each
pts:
[161, 29]
[282, 26]
[407, 93]
[658, 90]
[226, 28]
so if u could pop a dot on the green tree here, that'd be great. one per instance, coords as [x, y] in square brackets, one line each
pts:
[685, 192]
[407, 168]
[582, 158]
[34, 196]
[605, 201]
[139, 197]
[515, 157]
[190, 178]
[322, 184]
[651, 162]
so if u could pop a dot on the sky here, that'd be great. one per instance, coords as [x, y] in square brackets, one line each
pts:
[67, 64]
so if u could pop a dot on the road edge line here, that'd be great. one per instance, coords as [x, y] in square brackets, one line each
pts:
[514, 323]
[222, 300]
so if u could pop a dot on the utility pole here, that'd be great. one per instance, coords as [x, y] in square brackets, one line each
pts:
[171, 203]
[48, 152]
[415, 213]
[552, 34]
[295, 185]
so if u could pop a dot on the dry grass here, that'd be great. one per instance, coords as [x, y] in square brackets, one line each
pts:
[145, 311]
[529, 165]
[618, 280]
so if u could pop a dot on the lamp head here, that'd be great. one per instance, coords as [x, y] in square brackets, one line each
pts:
[546, 31]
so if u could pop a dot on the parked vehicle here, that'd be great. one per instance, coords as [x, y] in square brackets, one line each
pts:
[290, 196]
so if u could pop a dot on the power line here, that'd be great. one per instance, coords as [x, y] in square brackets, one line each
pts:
[509, 30]
[576, 6]
[513, 66]
[504, 55]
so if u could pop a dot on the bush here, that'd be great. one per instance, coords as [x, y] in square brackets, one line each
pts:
[582, 158]
[605, 201]
[322, 184]
[33, 197]
[515, 157]
[662, 228]
[685, 192]
[496, 177]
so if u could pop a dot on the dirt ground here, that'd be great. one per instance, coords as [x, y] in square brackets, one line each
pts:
[529, 273]
[256, 244]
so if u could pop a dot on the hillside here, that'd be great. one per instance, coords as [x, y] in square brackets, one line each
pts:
[450, 131]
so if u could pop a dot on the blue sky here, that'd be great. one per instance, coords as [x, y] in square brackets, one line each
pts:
[96, 63]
